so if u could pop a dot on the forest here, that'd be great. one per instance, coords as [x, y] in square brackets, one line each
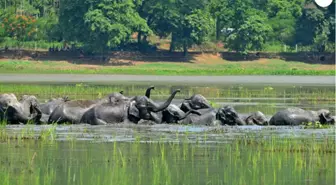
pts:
[103, 25]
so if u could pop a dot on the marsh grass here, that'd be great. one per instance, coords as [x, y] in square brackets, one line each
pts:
[85, 91]
[254, 159]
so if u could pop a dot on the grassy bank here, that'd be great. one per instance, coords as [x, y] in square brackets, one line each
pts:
[202, 66]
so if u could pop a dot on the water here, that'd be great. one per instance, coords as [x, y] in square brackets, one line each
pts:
[173, 154]
[245, 98]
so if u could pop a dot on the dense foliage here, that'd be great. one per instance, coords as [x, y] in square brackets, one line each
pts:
[101, 25]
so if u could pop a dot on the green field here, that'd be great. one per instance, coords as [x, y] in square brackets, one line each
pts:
[205, 67]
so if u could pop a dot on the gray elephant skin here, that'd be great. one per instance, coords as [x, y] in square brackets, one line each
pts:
[132, 110]
[72, 111]
[298, 116]
[23, 111]
[171, 114]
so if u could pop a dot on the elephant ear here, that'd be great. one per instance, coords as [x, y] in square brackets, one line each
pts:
[325, 118]
[133, 110]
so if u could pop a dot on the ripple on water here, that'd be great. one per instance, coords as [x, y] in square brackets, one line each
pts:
[168, 133]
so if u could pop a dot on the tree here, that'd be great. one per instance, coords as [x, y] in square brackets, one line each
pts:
[222, 12]
[19, 27]
[251, 35]
[311, 24]
[194, 29]
[283, 17]
[100, 24]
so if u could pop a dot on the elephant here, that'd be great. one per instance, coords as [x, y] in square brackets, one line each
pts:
[226, 115]
[229, 116]
[5, 101]
[172, 114]
[133, 110]
[72, 111]
[298, 116]
[48, 107]
[195, 102]
[23, 111]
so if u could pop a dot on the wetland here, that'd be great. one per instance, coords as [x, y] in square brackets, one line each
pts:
[172, 154]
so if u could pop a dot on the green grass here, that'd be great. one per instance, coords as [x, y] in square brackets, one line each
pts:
[252, 159]
[272, 67]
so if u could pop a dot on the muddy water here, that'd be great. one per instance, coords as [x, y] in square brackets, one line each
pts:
[173, 154]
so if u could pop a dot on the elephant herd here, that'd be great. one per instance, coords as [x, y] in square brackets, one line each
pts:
[117, 108]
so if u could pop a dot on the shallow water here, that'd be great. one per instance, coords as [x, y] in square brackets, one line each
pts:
[173, 154]
[167, 154]
[245, 98]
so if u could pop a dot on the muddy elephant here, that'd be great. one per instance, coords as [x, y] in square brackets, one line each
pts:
[24, 111]
[298, 116]
[5, 101]
[195, 102]
[72, 111]
[133, 110]
[171, 114]
[226, 115]
[48, 107]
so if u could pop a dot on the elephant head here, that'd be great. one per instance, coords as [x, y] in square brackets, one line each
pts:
[29, 103]
[7, 100]
[195, 102]
[325, 117]
[141, 107]
[227, 115]
[173, 114]
[116, 98]
[257, 118]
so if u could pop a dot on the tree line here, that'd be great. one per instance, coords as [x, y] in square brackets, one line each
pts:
[101, 25]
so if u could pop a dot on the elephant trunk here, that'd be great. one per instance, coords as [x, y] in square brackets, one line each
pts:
[38, 116]
[148, 91]
[157, 108]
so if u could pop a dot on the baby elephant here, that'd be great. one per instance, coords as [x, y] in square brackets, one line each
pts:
[298, 116]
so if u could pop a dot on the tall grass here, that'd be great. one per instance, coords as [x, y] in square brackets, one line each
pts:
[255, 159]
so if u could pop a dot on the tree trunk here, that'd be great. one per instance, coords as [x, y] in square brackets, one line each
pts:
[218, 29]
[172, 43]
[144, 38]
[185, 48]
[139, 40]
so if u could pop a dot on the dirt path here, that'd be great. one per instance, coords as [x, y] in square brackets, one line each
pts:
[75, 78]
